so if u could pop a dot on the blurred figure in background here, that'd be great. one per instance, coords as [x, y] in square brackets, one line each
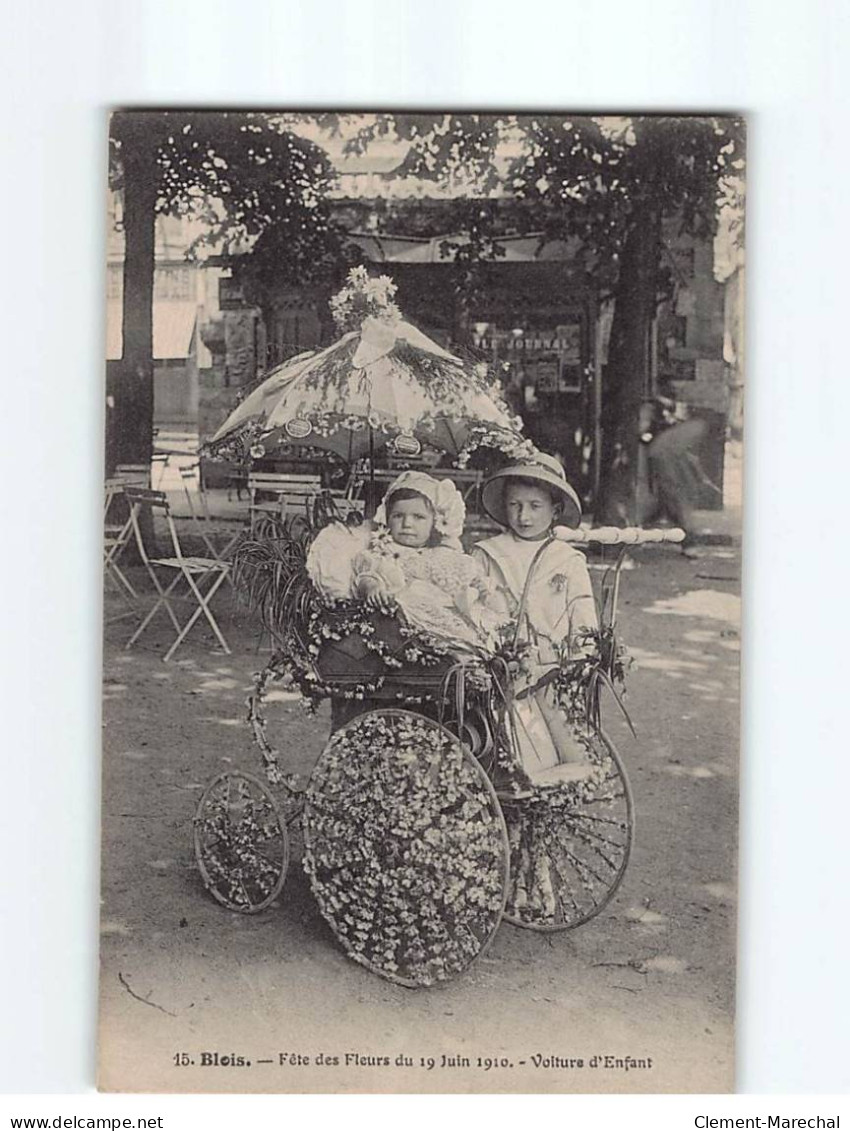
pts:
[671, 440]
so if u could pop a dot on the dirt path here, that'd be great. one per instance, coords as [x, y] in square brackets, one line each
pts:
[650, 979]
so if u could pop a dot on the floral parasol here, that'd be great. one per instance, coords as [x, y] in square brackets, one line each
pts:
[383, 380]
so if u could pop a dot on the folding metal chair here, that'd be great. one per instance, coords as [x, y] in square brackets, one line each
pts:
[133, 474]
[159, 466]
[205, 525]
[292, 494]
[203, 576]
[116, 536]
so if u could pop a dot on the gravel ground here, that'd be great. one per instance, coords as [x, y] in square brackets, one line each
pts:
[651, 979]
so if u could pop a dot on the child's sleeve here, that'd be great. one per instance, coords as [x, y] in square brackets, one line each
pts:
[581, 604]
[493, 593]
[371, 571]
[482, 560]
[483, 589]
[329, 560]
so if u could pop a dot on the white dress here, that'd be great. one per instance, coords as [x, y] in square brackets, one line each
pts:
[559, 605]
[439, 589]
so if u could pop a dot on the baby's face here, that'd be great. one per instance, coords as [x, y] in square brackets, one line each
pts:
[530, 510]
[411, 522]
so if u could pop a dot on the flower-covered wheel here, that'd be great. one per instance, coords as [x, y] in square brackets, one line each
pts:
[405, 847]
[570, 845]
[241, 842]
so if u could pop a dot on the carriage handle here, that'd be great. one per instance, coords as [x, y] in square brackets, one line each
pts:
[622, 536]
[619, 535]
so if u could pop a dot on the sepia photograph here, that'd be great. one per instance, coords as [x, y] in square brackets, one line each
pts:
[422, 517]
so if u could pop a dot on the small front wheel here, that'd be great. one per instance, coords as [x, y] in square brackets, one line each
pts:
[241, 842]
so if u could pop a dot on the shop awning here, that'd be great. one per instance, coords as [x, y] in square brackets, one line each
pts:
[383, 248]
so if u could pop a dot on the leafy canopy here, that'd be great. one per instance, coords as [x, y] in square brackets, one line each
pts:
[240, 172]
[590, 177]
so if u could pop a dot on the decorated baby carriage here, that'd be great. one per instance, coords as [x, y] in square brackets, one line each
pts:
[420, 835]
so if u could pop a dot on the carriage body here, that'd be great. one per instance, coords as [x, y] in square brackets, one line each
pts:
[418, 838]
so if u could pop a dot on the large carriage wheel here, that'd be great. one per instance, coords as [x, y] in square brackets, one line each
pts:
[241, 842]
[570, 845]
[406, 847]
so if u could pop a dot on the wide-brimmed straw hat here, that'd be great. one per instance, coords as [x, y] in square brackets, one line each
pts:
[541, 468]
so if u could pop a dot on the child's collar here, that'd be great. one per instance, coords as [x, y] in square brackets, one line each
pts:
[537, 538]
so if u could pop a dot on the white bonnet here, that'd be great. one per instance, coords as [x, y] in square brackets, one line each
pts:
[443, 496]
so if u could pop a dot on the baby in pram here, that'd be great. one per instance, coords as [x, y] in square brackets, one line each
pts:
[411, 555]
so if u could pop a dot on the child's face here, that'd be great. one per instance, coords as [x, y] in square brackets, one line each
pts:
[530, 510]
[411, 522]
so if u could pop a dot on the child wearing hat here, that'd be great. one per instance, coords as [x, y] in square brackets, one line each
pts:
[532, 500]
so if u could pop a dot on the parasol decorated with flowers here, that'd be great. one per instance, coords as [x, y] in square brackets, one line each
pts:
[383, 382]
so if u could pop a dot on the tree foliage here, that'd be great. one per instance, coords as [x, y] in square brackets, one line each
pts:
[583, 176]
[614, 183]
[242, 173]
[239, 171]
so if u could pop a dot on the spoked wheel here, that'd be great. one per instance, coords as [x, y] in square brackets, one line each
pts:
[406, 847]
[570, 845]
[241, 842]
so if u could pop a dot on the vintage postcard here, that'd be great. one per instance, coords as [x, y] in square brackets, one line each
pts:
[422, 520]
